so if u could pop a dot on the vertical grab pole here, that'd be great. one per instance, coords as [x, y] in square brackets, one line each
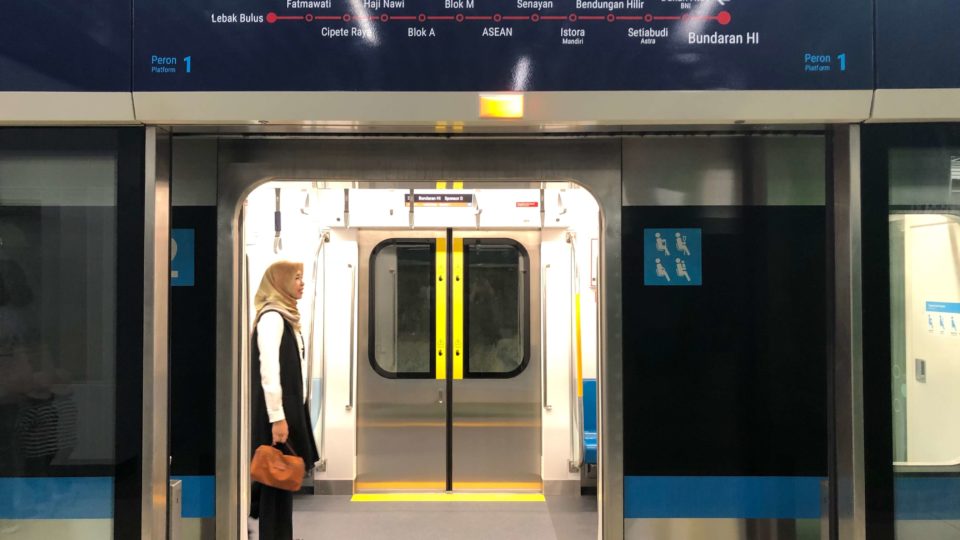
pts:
[543, 334]
[576, 361]
[353, 286]
[311, 347]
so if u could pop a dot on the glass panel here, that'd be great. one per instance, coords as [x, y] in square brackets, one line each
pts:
[403, 309]
[495, 303]
[925, 341]
[57, 341]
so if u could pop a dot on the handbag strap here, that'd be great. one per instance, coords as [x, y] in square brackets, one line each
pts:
[290, 448]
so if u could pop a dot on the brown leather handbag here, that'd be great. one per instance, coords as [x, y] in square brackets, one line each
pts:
[271, 467]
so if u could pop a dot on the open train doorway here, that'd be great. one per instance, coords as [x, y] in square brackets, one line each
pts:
[450, 337]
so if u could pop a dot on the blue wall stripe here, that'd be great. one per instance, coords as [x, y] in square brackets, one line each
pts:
[927, 497]
[199, 496]
[741, 497]
[56, 498]
[89, 497]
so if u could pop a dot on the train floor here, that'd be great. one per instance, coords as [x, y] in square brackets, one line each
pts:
[559, 518]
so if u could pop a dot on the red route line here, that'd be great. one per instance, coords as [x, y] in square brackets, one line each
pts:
[723, 18]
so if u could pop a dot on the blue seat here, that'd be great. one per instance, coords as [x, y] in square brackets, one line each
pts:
[590, 421]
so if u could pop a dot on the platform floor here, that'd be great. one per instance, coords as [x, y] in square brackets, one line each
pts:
[559, 518]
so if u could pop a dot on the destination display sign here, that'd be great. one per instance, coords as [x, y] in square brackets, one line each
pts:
[917, 44]
[502, 45]
[440, 199]
[61, 46]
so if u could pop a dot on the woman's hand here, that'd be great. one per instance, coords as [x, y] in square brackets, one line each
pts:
[280, 432]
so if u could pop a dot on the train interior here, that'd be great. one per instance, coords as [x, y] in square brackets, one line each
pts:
[450, 330]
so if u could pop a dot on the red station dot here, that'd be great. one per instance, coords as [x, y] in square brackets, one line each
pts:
[497, 17]
[572, 17]
[308, 17]
[535, 17]
[724, 18]
[648, 18]
[611, 17]
[384, 17]
[460, 17]
[271, 17]
[346, 17]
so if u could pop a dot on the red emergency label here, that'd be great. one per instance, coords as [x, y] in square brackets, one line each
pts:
[528, 204]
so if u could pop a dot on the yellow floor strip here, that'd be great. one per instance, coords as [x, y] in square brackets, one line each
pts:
[492, 487]
[448, 497]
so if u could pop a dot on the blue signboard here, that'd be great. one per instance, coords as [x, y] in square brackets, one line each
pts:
[943, 318]
[917, 44]
[672, 257]
[182, 256]
[500, 45]
[65, 46]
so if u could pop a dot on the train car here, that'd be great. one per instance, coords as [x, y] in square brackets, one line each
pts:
[573, 269]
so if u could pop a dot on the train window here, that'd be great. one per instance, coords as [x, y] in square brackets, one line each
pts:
[402, 308]
[497, 306]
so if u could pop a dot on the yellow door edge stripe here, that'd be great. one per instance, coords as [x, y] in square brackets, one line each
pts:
[440, 307]
[579, 350]
[448, 497]
[458, 277]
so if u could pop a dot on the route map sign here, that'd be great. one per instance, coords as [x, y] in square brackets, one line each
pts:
[917, 44]
[502, 45]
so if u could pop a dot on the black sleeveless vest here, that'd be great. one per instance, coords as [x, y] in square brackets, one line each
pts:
[297, 412]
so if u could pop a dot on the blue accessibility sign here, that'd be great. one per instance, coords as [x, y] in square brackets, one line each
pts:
[672, 257]
[181, 257]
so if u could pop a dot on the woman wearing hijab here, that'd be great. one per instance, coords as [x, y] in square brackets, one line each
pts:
[280, 411]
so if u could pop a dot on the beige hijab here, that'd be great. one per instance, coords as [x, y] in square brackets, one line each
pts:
[277, 293]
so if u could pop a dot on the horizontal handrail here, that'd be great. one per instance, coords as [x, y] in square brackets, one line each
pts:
[927, 466]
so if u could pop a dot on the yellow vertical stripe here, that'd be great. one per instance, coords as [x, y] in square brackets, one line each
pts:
[458, 277]
[579, 350]
[440, 306]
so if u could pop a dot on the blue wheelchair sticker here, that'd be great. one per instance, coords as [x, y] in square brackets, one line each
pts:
[181, 257]
[672, 258]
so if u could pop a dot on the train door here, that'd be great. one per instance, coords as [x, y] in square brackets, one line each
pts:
[448, 381]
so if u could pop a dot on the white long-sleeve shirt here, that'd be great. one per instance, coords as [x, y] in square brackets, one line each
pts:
[269, 334]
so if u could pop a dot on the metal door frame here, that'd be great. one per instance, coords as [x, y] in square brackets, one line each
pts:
[245, 163]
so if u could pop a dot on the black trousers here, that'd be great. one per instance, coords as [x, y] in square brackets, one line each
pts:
[274, 508]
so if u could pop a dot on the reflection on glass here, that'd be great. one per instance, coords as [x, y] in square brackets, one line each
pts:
[494, 318]
[57, 339]
[925, 341]
[403, 308]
